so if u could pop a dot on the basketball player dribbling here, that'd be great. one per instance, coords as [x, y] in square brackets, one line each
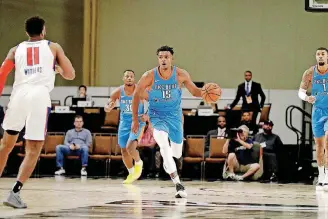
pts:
[317, 76]
[127, 140]
[164, 96]
[34, 62]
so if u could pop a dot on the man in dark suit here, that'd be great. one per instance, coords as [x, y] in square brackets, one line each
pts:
[220, 132]
[250, 91]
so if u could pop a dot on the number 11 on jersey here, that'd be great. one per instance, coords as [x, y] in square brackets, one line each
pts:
[32, 55]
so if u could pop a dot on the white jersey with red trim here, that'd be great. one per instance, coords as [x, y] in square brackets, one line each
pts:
[34, 63]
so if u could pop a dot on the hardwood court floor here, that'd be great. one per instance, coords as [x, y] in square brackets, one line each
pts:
[62, 197]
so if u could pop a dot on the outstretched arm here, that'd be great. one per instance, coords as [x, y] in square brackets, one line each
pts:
[6, 67]
[305, 84]
[186, 80]
[112, 100]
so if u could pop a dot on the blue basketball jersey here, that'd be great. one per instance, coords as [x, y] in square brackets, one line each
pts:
[126, 107]
[320, 89]
[165, 95]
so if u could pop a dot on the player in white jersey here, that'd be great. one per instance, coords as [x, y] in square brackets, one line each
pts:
[34, 62]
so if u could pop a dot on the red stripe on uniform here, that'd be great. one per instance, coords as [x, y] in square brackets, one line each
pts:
[36, 55]
[29, 57]
[47, 118]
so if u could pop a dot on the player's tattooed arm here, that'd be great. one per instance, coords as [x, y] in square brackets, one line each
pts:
[185, 79]
[306, 79]
[304, 86]
[112, 100]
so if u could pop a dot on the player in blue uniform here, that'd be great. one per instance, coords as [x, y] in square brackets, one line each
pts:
[317, 76]
[164, 96]
[127, 140]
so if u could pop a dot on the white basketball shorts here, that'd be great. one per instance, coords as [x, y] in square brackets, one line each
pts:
[29, 107]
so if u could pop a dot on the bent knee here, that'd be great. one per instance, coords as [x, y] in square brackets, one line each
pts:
[231, 156]
[85, 149]
[124, 151]
[255, 166]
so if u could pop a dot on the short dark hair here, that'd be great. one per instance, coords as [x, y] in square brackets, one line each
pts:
[165, 49]
[78, 117]
[246, 111]
[34, 26]
[248, 72]
[129, 70]
[85, 87]
[323, 48]
[221, 116]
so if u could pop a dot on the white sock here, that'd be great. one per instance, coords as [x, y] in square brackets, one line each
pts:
[138, 162]
[321, 173]
[131, 170]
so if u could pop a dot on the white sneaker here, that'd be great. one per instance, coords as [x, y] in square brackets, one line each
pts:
[319, 187]
[60, 172]
[238, 178]
[84, 172]
[181, 192]
[230, 175]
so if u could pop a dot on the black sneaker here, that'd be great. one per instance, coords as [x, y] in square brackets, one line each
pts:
[181, 192]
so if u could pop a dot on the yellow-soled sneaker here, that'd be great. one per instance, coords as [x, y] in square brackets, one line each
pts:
[130, 179]
[137, 171]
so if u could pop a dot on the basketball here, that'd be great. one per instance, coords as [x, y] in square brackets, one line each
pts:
[211, 92]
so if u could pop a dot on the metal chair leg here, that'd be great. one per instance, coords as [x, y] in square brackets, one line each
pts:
[202, 171]
[108, 168]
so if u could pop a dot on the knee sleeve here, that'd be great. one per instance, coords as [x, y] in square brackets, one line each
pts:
[176, 149]
[162, 140]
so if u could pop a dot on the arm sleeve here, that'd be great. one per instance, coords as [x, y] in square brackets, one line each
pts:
[5, 69]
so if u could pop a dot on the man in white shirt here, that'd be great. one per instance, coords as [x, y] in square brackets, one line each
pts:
[220, 132]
